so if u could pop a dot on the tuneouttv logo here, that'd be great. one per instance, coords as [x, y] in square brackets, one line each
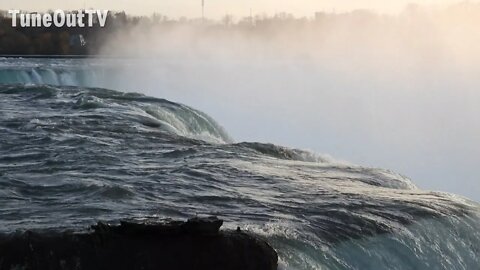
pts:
[59, 18]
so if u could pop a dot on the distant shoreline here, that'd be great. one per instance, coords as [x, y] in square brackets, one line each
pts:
[60, 56]
[73, 56]
[47, 56]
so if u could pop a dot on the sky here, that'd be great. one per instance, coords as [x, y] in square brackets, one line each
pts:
[215, 9]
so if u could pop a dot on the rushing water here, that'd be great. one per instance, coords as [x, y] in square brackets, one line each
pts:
[72, 154]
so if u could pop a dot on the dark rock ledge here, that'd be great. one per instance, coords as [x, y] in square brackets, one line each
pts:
[195, 244]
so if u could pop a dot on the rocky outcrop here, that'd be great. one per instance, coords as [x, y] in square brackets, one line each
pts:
[195, 244]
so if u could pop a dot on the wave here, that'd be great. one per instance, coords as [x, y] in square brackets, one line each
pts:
[46, 76]
[138, 110]
[64, 72]
[376, 176]
[281, 152]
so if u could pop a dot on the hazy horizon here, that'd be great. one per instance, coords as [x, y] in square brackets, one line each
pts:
[396, 92]
[216, 9]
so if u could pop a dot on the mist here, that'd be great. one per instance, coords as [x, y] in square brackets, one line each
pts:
[392, 91]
